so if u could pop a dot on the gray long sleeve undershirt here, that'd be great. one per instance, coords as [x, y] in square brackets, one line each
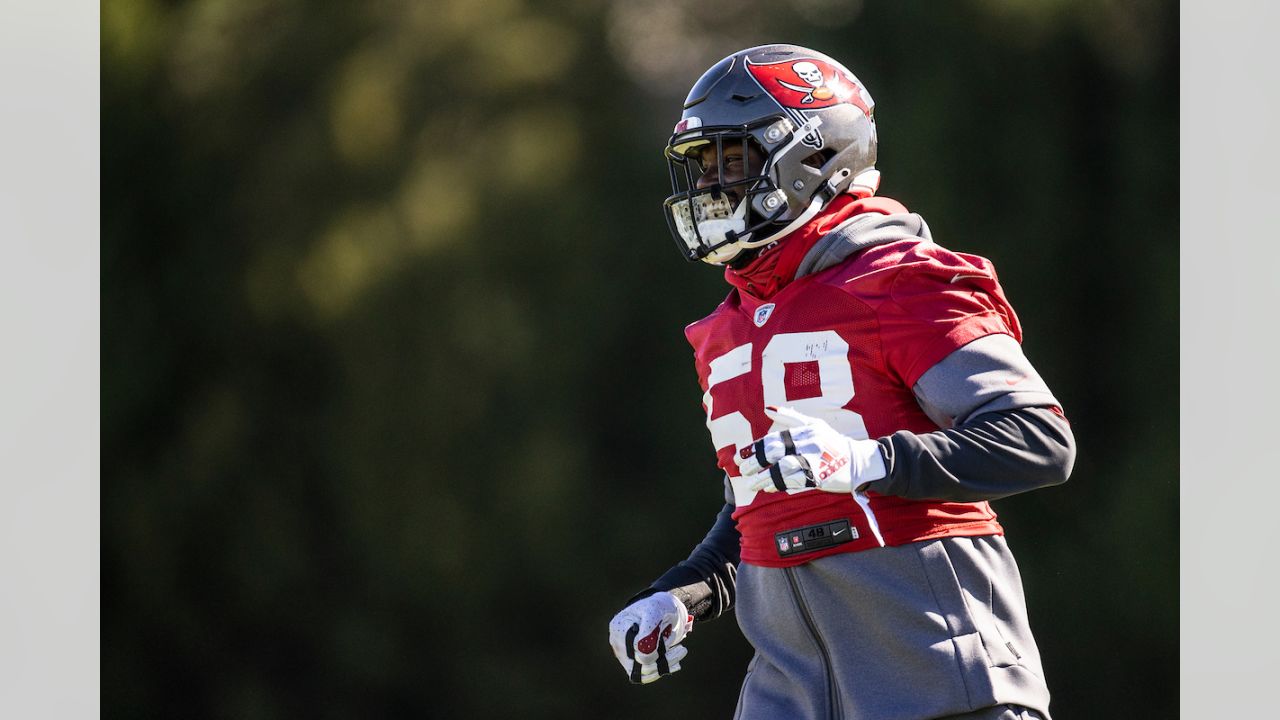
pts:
[999, 437]
[994, 455]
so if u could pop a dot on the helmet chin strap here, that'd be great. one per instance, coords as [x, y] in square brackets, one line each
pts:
[728, 252]
[815, 207]
[830, 189]
[819, 201]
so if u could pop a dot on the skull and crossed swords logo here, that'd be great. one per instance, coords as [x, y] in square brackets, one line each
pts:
[810, 73]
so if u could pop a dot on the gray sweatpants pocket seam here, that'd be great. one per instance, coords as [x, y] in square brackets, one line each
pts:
[984, 615]
[956, 652]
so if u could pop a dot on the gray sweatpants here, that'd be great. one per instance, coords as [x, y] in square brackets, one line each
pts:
[917, 632]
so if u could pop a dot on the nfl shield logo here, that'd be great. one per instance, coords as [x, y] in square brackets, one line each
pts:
[783, 545]
[762, 314]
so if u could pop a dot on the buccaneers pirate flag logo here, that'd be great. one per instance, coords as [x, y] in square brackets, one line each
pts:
[809, 84]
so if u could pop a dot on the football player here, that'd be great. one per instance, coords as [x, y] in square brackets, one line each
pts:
[866, 395]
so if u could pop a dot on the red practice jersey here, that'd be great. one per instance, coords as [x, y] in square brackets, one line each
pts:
[845, 345]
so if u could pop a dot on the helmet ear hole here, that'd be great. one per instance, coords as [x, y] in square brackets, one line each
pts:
[819, 158]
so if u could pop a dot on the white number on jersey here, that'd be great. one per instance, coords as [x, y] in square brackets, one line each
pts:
[827, 348]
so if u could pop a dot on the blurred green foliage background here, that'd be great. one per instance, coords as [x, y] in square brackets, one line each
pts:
[396, 404]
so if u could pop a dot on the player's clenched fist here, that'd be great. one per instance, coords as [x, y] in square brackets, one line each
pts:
[807, 452]
[646, 636]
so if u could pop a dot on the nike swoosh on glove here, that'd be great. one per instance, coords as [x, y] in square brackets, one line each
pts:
[806, 452]
[646, 636]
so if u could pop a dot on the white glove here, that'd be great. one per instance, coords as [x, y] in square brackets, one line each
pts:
[646, 636]
[806, 453]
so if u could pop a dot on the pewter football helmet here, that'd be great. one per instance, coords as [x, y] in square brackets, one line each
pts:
[805, 113]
